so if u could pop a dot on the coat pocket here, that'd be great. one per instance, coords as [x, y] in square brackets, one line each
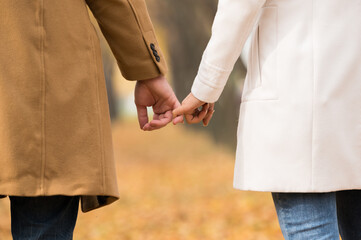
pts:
[261, 80]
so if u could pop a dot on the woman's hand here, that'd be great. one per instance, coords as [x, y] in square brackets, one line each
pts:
[194, 110]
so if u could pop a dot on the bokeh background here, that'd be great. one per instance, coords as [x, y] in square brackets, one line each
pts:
[176, 183]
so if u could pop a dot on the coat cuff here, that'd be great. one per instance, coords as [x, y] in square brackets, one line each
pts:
[152, 66]
[209, 82]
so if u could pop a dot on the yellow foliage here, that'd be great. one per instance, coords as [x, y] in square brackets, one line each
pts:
[175, 185]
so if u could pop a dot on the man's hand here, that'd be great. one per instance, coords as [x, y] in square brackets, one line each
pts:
[191, 109]
[155, 93]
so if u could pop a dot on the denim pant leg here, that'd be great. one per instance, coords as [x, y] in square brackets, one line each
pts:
[349, 214]
[40, 218]
[311, 216]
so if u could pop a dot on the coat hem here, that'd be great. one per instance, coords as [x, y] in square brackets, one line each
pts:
[89, 201]
[294, 190]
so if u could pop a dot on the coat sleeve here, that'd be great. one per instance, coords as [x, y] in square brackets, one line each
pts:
[127, 27]
[232, 25]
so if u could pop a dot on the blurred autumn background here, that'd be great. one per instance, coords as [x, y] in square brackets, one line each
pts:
[176, 183]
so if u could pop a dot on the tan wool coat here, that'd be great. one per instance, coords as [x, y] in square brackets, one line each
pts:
[55, 132]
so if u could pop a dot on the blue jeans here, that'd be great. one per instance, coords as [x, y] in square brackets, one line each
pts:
[318, 216]
[43, 218]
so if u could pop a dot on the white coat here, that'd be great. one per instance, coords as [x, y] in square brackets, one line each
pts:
[300, 118]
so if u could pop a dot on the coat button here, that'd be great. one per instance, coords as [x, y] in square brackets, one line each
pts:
[152, 46]
[155, 53]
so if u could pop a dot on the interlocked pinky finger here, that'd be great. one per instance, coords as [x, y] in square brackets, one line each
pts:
[208, 117]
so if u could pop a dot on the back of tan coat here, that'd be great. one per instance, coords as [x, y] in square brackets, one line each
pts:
[55, 133]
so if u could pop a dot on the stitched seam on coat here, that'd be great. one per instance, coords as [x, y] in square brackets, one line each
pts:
[136, 16]
[142, 32]
[250, 23]
[94, 61]
[313, 95]
[42, 60]
[208, 83]
[99, 115]
[215, 67]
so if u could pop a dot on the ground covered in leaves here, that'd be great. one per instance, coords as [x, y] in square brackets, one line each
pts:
[175, 184]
